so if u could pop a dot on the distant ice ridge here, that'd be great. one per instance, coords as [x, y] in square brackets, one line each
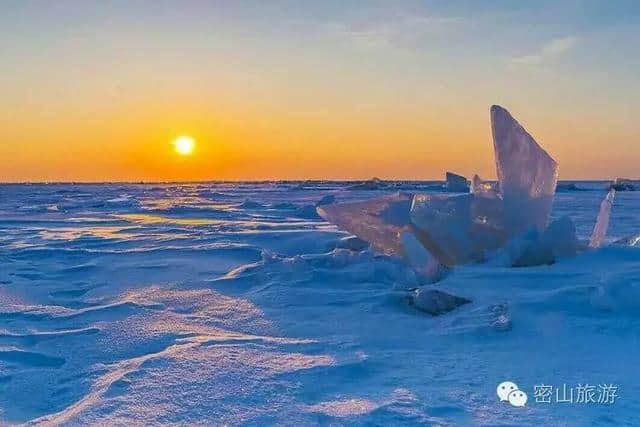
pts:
[622, 184]
[456, 183]
[506, 225]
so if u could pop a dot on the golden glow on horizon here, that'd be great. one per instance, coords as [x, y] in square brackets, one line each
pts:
[335, 98]
[184, 145]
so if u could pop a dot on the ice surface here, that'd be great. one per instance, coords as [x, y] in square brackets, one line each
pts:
[526, 173]
[602, 222]
[456, 183]
[378, 221]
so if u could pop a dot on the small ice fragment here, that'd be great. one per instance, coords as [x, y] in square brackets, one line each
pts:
[502, 323]
[456, 183]
[629, 241]
[526, 173]
[602, 223]
[436, 302]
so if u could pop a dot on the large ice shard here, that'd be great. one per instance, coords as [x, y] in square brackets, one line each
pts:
[526, 173]
[456, 183]
[378, 221]
[436, 230]
[602, 223]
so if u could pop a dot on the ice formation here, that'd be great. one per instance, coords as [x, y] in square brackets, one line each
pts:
[510, 220]
[602, 223]
[527, 174]
[444, 225]
[456, 183]
[378, 221]
[482, 187]
[534, 248]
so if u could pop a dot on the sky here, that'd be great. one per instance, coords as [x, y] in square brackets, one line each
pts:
[98, 90]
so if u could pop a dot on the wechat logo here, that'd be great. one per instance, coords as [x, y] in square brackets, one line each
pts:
[509, 392]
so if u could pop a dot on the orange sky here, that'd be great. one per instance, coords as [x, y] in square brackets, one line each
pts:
[102, 101]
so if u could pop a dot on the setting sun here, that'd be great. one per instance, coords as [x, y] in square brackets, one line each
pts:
[184, 145]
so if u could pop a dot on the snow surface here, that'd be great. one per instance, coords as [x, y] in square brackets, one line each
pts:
[227, 303]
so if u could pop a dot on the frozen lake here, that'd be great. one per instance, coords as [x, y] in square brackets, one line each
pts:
[233, 303]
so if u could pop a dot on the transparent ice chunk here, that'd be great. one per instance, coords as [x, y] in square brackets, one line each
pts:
[378, 221]
[602, 223]
[438, 229]
[526, 173]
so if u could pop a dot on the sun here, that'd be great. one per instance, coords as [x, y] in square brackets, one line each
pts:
[184, 145]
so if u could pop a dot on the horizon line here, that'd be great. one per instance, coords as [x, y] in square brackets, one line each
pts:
[143, 182]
